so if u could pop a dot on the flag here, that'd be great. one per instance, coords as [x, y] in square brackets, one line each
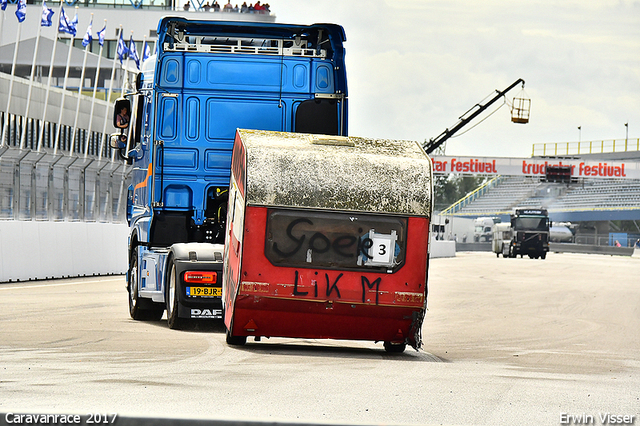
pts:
[21, 10]
[47, 14]
[87, 36]
[74, 23]
[65, 26]
[133, 53]
[122, 50]
[3, 4]
[146, 51]
[101, 35]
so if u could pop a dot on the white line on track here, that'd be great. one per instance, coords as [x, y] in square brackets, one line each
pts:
[59, 284]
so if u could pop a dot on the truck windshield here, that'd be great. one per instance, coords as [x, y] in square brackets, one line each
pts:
[534, 223]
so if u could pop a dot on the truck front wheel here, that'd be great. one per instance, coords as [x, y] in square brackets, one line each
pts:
[171, 297]
[140, 309]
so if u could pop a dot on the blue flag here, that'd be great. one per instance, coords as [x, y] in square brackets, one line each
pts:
[21, 11]
[87, 36]
[47, 15]
[146, 51]
[133, 52]
[74, 24]
[3, 4]
[121, 50]
[101, 35]
[65, 26]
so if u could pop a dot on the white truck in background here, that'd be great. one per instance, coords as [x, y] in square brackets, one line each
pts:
[483, 228]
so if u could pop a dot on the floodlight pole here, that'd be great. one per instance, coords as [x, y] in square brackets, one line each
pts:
[626, 136]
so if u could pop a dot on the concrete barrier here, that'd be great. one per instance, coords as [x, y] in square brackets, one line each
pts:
[590, 249]
[473, 247]
[442, 249]
[32, 250]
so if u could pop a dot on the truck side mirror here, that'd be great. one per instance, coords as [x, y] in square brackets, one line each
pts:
[121, 113]
[118, 140]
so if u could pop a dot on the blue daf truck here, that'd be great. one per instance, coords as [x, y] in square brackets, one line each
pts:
[206, 80]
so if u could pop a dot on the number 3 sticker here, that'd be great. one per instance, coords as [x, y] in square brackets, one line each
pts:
[382, 254]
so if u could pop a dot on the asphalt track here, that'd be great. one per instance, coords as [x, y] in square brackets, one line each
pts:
[507, 341]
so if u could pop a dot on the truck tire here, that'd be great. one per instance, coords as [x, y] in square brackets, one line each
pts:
[140, 309]
[172, 289]
[394, 348]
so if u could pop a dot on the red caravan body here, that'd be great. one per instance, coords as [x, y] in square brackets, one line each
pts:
[327, 237]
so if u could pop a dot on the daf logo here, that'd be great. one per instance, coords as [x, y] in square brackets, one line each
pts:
[206, 313]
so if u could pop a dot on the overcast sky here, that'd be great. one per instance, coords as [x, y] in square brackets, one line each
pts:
[415, 66]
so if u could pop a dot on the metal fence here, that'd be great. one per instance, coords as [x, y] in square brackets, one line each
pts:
[585, 147]
[611, 240]
[79, 183]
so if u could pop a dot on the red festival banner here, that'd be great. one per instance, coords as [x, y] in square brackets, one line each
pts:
[535, 167]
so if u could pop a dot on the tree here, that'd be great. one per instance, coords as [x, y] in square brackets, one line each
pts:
[447, 189]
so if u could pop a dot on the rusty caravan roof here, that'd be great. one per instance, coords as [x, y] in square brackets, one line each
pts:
[338, 173]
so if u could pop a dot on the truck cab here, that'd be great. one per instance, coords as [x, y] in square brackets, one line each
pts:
[530, 229]
[207, 79]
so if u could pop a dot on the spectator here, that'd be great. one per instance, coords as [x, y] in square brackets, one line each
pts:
[244, 8]
[228, 7]
[216, 6]
[122, 119]
[207, 7]
[236, 9]
[187, 5]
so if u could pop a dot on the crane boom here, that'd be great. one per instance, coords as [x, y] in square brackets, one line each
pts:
[476, 110]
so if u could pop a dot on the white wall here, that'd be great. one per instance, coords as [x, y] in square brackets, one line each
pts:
[457, 226]
[442, 249]
[32, 250]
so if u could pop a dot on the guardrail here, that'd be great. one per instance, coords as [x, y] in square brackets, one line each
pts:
[62, 207]
[585, 147]
[481, 190]
[61, 187]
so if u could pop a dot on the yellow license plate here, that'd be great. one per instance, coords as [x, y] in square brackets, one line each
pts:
[204, 291]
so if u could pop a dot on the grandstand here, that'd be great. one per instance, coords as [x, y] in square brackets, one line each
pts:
[594, 205]
[588, 195]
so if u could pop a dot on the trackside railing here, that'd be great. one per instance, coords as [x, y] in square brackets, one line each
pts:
[478, 192]
[585, 147]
